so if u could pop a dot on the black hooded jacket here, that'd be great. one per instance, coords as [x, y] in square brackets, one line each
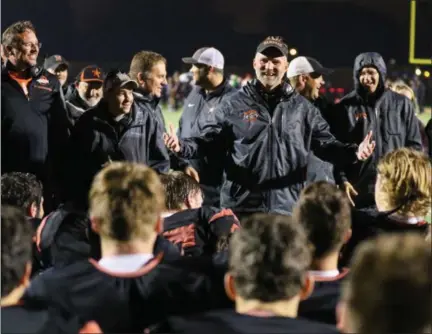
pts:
[268, 138]
[390, 116]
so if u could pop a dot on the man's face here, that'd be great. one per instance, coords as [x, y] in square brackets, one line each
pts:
[309, 85]
[26, 50]
[369, 79]
[155, 80]
[90, 91]
[120, 100]
[199, 73]
[61, 72]
[270, 69]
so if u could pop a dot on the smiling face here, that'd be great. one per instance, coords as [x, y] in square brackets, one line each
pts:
[369, 79]
[25, 50]
[270, 69]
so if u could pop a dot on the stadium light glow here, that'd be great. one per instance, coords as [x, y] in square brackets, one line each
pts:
[418, 71]
[426, 74]
[293, 52]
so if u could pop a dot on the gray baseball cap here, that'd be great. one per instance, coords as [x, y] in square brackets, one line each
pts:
[118, 79]
[207, 56]
[306, 65]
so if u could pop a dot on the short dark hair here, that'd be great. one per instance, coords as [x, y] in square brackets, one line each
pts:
[143, 62]
[11, 32]
[16, 244]
[389, 287]
[178, 186]
[269, 258]
[325, 212]
[20, 190]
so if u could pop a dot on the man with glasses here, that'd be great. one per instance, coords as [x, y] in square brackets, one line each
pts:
[34, 126]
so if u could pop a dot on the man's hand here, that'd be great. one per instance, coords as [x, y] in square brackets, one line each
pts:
[171, 140]
[366, 147]
[192, 172]
[350, 191]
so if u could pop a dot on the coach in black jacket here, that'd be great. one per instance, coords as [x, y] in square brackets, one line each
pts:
[115, 130]
[211, 90]
[372, 107]
[268, 131]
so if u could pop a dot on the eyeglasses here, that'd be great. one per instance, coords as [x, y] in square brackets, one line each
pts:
[31, 45]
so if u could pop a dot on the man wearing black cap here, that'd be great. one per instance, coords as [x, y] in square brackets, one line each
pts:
[58, 66]
[267, 131]
[372, 107]
[306, 77]
[211, 90]
[87, 93]
[115, 130]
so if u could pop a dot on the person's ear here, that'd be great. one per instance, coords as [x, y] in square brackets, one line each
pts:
[33, 210]
[159, 225]
[307, 287]
[95, 225]
[347, 236]
[140, 78]
[229, 286]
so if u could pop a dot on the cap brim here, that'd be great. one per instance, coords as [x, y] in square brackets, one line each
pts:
[189, 60]
[91, 80]
[274, 47]
[131, 83]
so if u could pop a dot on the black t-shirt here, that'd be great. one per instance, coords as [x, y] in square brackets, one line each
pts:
[229, 321]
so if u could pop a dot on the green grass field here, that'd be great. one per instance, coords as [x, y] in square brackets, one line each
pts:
[173, 118]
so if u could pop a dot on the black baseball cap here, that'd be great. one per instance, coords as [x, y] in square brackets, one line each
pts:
[273, 42]
[91, 73]
[55, 61]
[118, 79]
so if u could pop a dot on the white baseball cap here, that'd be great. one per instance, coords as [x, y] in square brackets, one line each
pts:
[207, 56]
[306, 65]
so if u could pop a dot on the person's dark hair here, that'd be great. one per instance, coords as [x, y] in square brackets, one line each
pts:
[325, 212]
[9, 37]
[178, 186]
[16, 248]
[269, 258]
[21, 190]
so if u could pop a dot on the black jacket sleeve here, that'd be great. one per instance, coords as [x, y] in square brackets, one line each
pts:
[212, 134]
[157, 155]
[325, 145]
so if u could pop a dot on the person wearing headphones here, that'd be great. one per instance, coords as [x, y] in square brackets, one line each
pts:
[34, 125]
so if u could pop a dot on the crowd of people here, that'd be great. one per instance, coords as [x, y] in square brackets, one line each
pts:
[269, 210]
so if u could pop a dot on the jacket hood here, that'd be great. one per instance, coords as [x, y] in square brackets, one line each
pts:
[369, 59]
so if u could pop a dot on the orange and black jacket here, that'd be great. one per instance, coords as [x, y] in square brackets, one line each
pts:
[34, 126]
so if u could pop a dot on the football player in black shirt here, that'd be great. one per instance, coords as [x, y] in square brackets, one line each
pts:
[268, 276]
[196, 229]
[325, 212]
[19, 316]
[129, 288]
[389, 287]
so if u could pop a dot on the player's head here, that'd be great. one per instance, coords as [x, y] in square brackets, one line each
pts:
[23, 190]
[181, 191]
[126, 200]
[325, 212]
[16, 249]
[404, 181]
[269, 259]
[389, 287]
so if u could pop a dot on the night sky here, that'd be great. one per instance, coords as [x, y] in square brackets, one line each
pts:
[334, 31]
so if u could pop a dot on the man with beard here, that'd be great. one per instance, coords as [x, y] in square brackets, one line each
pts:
[372, 107]
[212, 88]
[306, 76]
[88, 92]
[58, 66]
[268, 132]
[34, 124]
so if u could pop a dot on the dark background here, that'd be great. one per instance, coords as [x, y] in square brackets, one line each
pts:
[333, 31]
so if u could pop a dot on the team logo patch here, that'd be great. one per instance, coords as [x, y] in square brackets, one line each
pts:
[250, 115]
[43, 80]
[360, 115]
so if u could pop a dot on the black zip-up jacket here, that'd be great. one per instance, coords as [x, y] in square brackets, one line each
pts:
[198, 111]
[391, 118]
[428, 131]
[76, 106]
[150, 104]
[268, 138]
[97, 138]
[34, 128]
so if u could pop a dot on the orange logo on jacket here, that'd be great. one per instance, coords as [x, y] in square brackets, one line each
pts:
[360, 115]
[43, 80]
[250, 115]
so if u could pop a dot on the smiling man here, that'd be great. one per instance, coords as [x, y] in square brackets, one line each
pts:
[268, 132]
[34, 125]
[372, 107]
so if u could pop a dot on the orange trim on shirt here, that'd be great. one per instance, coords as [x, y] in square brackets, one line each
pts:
[184, 235]
[149, 266]
[91, 327]
[223, 213]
